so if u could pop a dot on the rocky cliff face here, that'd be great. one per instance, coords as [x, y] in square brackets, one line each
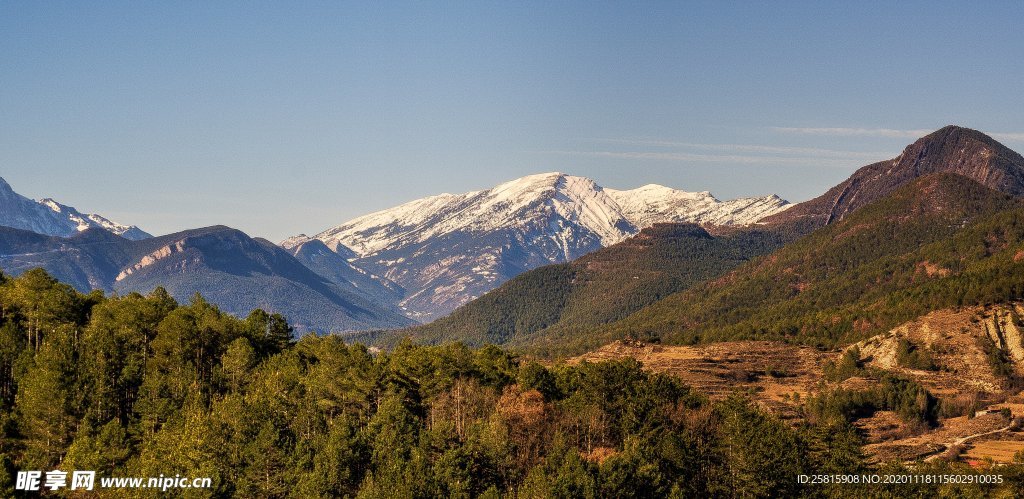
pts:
[956, 341]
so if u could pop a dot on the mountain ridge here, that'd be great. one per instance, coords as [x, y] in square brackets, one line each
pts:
[921, 232]
[229, 268]
[953, 149]
[447, 249]
[52, 218]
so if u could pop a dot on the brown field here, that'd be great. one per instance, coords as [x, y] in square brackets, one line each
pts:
[772, 372]
[927, 443]
[999, 451]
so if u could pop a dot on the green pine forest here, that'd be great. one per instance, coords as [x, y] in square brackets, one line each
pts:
[572, 299]
[940, 242]
[141, 386]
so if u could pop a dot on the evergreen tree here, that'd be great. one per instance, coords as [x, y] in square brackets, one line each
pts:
[46, 400]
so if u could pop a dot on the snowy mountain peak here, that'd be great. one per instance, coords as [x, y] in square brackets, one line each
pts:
[85, 221]
[531, 181]
[652, 203]
[448, 248]
[51, 204]
[295, 241]
[508, 204]
[656, 191]
[49, 217]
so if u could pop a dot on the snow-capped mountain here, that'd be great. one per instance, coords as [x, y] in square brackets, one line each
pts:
[51, 218]
[574, 199]
[448, 249]
[85, 221]
[651, 204]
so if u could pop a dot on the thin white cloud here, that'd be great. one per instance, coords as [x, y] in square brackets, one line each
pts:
[855, 132]
[1008, 137]
[753, 154]
[749, 148]
[714, 158]
[885, 132]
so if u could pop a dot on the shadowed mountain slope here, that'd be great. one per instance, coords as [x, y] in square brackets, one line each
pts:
[951, 149]
[229, 268]
[600, 287]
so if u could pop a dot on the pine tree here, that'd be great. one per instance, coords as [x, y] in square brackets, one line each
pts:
[45, 400]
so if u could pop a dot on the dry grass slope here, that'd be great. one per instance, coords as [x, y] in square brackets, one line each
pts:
[780, 376]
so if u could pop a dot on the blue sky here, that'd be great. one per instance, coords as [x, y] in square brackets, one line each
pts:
[287, 117]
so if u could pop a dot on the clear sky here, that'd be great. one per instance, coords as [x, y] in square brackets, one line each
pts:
[287, 117]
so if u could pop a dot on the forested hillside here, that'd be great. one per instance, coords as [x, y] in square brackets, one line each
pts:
[143, 386]
[941, 241]
[935, 227]
[601, 287]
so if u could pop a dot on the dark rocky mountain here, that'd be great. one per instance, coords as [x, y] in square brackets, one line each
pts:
[230, 269]
[951, 149]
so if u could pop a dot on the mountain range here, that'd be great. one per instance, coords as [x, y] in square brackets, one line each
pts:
[229, 268]
[557, 263]
[448, 249]
[51, 218]
[419, 260]
[938, 226]
[880, 325]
